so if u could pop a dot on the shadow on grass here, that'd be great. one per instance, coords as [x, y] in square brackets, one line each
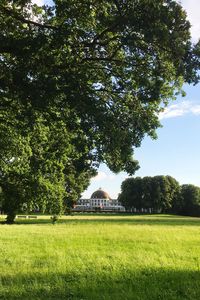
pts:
[147, 284]
[161, 220]
[131, 220]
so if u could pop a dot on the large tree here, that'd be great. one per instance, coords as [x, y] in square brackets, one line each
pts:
[98, 71]
[131, 195]
[164, 191]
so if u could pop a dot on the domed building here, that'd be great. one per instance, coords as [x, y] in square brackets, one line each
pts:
[99, 200]
[100, 194]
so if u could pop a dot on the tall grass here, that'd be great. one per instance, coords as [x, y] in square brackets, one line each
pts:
[101, 257]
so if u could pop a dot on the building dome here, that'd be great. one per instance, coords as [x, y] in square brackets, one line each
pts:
[100, 194]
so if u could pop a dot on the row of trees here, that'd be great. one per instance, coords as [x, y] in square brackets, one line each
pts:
[82, 82]
[161, 194]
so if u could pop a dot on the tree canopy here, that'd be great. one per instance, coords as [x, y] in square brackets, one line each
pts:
[82, 82]
[158, 193]
[188, 202]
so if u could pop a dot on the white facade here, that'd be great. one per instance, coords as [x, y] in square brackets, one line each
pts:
[99, 200]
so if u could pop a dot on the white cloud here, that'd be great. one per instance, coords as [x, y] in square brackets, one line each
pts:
[192, 8]
[196, 110]
[103, 176]
[180, 109]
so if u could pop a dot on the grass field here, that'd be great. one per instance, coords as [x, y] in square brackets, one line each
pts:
[101, 257]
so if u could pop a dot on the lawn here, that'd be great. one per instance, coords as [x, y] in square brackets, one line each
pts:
[101, 257]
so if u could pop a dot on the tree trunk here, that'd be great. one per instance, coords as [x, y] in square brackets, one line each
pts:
[11, 217]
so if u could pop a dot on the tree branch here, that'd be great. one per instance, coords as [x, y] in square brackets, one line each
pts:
[23, 20]
[118, 7]
[109, 59]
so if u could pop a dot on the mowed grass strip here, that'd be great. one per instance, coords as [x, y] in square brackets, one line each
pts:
[101, 257]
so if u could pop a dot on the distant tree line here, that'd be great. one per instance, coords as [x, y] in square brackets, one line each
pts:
[160, 194]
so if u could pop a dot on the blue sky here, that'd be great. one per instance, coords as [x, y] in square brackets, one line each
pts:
[176, 152]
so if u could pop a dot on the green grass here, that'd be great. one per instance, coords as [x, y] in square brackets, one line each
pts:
[101, 257]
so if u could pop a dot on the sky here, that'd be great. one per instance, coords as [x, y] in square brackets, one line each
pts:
[176, 151]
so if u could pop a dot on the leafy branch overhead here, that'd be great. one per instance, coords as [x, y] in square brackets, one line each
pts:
[100, 70]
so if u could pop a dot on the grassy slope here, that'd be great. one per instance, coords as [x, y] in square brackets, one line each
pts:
[101, 257]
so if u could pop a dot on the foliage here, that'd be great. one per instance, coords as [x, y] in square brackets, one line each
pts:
[188, 202]
[165, 190]
[82, 83]
[131, 195]
[162, 194]
[158, 193]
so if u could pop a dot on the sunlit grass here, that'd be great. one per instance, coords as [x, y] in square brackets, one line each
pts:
[101, 257]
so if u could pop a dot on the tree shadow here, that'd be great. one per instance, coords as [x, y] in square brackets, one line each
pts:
[120, 220]
[28, 222]
[137, 221]
[144, 284]
[158, 220]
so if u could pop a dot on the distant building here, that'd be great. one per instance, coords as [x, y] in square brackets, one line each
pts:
[99, 200]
